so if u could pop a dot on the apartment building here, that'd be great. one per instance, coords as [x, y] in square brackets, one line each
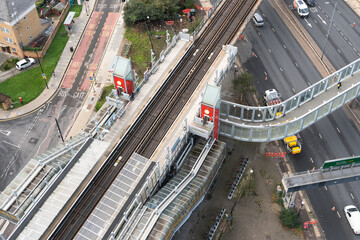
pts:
[19, 25]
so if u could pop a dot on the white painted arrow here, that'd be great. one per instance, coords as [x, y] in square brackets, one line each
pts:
[308, 23]
[322, 19]
[5, 132]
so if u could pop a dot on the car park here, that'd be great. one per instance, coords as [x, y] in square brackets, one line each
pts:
[258, 20]
[24, 63]
[353, 216]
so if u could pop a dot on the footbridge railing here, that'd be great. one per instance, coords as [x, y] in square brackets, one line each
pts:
[261, 124]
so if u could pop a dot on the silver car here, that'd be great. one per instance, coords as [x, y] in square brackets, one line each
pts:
[258, 20]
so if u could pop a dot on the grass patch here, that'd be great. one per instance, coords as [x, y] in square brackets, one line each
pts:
[140, 50]
[29, 84]
[104, 94]
[8, 64]
[248, 188]
[77, 9]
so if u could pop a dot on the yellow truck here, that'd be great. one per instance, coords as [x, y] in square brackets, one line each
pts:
[293, 144]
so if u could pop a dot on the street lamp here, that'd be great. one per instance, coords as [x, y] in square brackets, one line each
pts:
[328, 32]
[302, 204]
[42, 71]
[57, 124]
[148, 31]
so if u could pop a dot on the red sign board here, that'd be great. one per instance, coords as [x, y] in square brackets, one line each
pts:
[169, 22]
[120, 83]
[207, 111]
[186, 10]
[272, 154]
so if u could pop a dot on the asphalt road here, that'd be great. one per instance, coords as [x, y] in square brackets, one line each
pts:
[289, 70]
[37, 132]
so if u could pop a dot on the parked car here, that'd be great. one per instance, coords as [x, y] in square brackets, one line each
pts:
[310, 3]
[353, 216]
[258, 20]
[26, 62]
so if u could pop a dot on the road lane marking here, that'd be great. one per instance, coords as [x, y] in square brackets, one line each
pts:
[11, 144]
[338, 214]
[338, 130]
[296, 64]
[320, 135]
[325, 188]
[312, 161]
[352, 196]
[269, 50]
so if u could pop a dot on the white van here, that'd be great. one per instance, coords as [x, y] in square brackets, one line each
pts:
[301, 8]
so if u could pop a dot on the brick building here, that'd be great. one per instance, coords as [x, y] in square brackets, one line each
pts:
[19, 25]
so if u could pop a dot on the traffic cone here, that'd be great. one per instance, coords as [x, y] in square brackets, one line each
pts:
[333, 209]
[241, 36]
[253, 54]
[353, 24]
[265, 78]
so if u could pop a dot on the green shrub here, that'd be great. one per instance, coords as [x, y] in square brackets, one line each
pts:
[290, 218]
[104, 94]
[8, 64]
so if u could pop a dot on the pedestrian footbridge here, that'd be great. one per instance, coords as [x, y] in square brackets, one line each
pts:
[262, 124]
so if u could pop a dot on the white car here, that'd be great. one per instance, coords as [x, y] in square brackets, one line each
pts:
[258, 20]
[353, 216]
[22, 64]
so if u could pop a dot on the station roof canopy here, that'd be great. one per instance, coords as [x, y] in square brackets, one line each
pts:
[69, 18]
[211, 95]
[121, 67]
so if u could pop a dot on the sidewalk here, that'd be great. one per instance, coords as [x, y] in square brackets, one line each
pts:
[61, 67]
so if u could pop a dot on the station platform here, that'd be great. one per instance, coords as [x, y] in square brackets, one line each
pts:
[49, 206]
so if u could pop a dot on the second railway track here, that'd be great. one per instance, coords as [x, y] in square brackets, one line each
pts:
[150, 127]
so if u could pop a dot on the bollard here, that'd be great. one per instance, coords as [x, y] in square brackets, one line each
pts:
[21, 101]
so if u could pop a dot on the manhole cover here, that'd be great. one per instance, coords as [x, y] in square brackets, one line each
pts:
[33, 140]
[269, 181]
[268, 237]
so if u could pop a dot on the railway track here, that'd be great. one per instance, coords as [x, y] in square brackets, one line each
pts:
[151, 126]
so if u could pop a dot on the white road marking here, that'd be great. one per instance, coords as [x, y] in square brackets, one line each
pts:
[352, 196]
[281, 69]
[309, 84]
[339, 50]
[345, 38]
[273, 29]
[293, 90]
[265, 73]
[269, 50]
[338, 130]
[309, 24]
[259, 33]
[315, 21]
[320, 135]
[341, 34]
[11, 144]
[350, 43]
[325, 188]
[296, 64]
[323, 21]
[312, 161]
[196, 51]
[284, 46]
[4, 227]
[338, 214]
[5, 132]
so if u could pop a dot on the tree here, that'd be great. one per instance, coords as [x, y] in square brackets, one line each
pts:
[158, 10]
[243, 84]
[290, 218]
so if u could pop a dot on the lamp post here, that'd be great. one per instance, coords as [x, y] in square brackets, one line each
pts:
[148, 31]
[42, 71]
[328, 32]
[57, 124]
[302, 204]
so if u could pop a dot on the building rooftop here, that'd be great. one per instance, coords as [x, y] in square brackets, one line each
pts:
[11, 9]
